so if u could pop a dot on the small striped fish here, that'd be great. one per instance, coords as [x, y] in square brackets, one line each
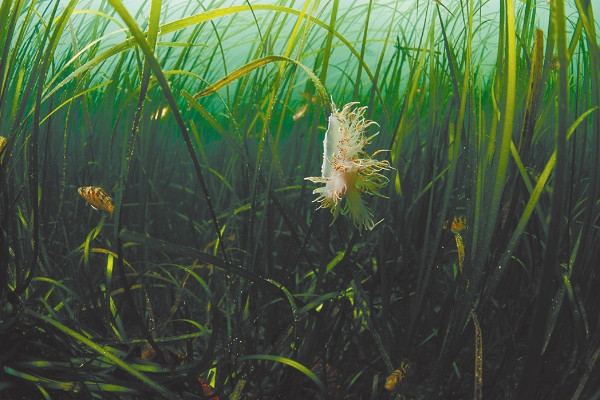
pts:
[394, 381]
[97, 198]
[458, 224]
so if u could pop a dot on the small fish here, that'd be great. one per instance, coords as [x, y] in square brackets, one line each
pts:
[458, 224]
[394, 381]
[300, 112]
[207, 390]
[97, 198]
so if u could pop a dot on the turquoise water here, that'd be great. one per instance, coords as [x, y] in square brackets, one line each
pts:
[328, 200]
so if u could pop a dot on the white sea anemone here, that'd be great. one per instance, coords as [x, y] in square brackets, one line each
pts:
[347, 171]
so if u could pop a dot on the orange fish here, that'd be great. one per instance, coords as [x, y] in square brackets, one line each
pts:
[458, 224]
[97, 198]
[394, 381]
[300, 112]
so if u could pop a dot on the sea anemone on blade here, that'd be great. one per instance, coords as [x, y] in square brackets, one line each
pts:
[348, 172]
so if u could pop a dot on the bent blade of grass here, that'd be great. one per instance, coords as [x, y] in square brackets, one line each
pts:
[319, 301]
[238, 73]
[198, 278]
[105, 353]
[209, 118]
[111, 254]
[56, 284]
[91, 236]
[294, 364]
[64, 300]
[288, 295]
[43, 392]
[72, 98]
[201, 329]
[100, 14]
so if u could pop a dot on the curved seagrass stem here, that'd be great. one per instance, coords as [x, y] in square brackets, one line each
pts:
[155, 67]
[135, 129]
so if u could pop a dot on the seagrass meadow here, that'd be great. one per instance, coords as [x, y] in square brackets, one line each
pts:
[463, 257]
